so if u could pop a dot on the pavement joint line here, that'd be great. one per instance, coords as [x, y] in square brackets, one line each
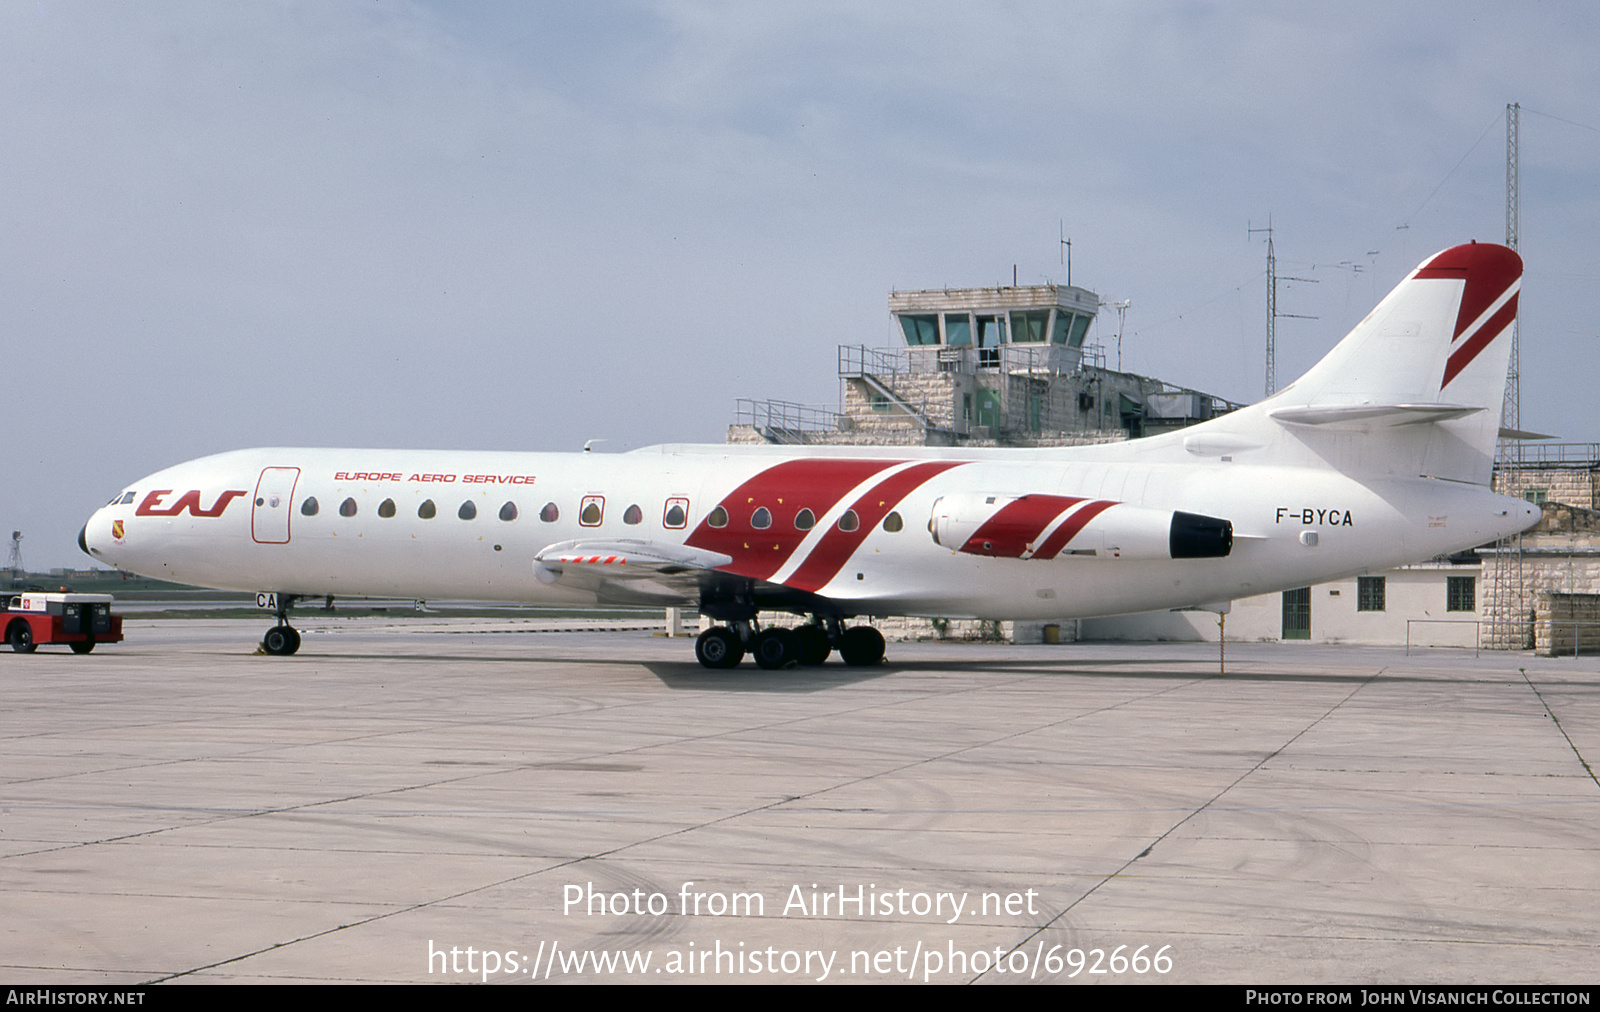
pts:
[1047, 925]
[1557, 721]
[681, 830]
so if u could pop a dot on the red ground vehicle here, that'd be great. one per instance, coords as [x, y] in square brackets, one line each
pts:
[78, 620]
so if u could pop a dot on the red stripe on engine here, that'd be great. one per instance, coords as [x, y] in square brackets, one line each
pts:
[784, 490]
[836, 546]
[1491, 329]
[1009, 532]
[1059, 538]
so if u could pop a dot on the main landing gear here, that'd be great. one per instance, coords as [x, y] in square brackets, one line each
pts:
[282, 639]
[724, 646]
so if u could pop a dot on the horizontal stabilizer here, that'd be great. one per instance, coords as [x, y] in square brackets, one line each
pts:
[1523, 434]
[1366, 416]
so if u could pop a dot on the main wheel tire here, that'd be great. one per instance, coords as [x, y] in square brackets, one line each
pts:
[776, 649]
[20, 636]
[861, 646]
[281, 641]
[718, 647]
[814, 645]
[82, 646]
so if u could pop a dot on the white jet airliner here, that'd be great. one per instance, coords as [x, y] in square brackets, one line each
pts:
[1379, 456]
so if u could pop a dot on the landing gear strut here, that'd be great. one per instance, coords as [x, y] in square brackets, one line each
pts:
[282, 639]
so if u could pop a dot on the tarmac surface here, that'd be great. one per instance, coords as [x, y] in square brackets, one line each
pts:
[411, 801]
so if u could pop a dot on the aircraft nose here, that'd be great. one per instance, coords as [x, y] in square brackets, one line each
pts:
[83, 538]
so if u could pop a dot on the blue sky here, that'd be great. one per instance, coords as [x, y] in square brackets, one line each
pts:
[522, 226]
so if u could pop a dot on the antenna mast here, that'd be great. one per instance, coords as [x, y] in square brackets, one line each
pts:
[1511, 413]
[1272, 306]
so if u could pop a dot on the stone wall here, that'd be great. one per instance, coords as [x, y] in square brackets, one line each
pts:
[1567, 624]
[1573, 484]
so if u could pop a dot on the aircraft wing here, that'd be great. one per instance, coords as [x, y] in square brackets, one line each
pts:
[629, 571]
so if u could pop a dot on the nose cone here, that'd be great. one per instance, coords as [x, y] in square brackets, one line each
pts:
[95, 536]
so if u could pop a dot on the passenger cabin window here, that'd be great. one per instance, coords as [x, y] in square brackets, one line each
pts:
[386, 508]
[677, 514]
[550, 514]
[893, 523]
[718, 517]
[468, 510]
[805, 520]
[632, 515]
[309, 507]
[508, 512]
[592, 511]
[427, 510]
[761, 519]
[849, 521]
[347, 508]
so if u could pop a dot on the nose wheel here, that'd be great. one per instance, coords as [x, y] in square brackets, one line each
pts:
[282, 639]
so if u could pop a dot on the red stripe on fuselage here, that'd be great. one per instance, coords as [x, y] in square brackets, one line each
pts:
[1059, 537]
[784, 489]
[836, 546]
[1009, 532]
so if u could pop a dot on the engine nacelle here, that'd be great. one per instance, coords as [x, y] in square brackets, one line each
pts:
[1040, 526]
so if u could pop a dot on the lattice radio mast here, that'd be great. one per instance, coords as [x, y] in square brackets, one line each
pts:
[1272, 306]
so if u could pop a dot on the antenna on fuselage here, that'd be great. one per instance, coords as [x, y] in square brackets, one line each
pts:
[588, 447]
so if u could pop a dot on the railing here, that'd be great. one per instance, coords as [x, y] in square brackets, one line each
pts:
[785, 421]
[1549, 453]
[857, 360]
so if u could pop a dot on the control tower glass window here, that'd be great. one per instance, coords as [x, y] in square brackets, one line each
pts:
[920, 329]
[1061, 327]
[1080, 327]
[958, 330]
[1027, 326]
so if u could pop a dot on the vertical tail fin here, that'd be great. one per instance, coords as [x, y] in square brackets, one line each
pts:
[1424, 374]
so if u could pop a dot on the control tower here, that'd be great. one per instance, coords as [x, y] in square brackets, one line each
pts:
[1008, 366]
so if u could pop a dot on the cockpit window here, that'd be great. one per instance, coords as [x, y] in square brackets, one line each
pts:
[309, 507]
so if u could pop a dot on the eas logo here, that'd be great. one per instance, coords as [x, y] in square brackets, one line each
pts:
[152, 507]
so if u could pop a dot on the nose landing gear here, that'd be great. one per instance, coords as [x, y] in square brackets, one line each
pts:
[282, 639]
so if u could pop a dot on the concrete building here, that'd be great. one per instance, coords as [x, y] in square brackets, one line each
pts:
[983, 367]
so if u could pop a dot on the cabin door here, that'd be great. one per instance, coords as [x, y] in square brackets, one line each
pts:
[270, 509]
